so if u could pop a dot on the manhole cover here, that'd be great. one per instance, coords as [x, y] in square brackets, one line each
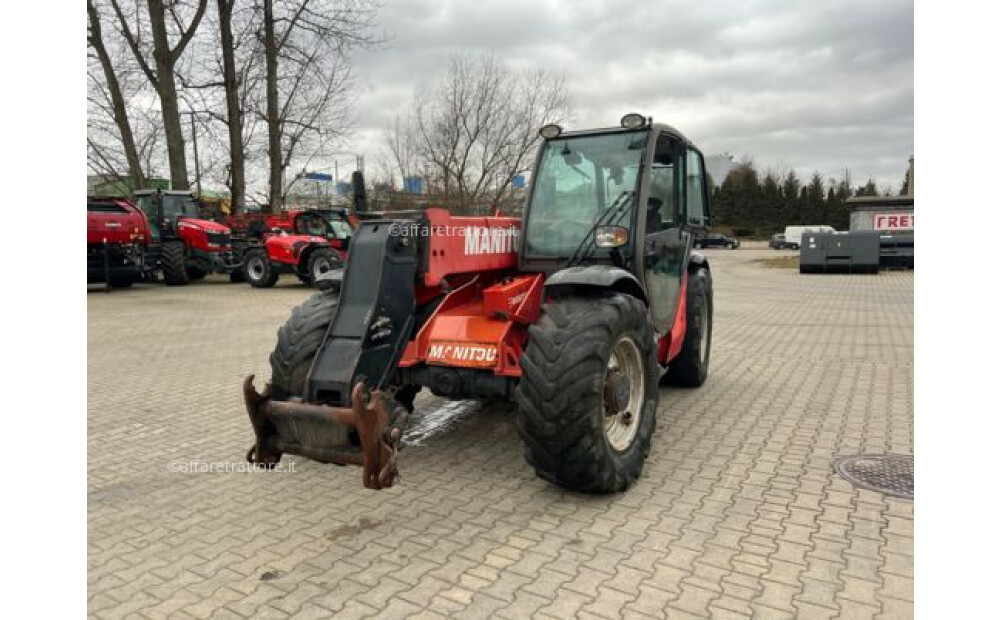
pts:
[891, 474]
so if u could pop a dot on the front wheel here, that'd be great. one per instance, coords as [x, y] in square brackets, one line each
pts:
[173, 261]
[258, 270]
[588, 392]
[690, 367]
[322, 261]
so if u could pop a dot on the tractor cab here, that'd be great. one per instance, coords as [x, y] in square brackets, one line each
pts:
[326, 223]
[163, 209]
[632, 198]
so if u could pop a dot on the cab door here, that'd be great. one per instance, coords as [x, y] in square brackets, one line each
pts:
[676, 207]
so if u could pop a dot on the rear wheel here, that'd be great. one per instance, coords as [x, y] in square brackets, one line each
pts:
[258, 270]
[322, 261]
[173, 262]
[690, 367]
[588, 392]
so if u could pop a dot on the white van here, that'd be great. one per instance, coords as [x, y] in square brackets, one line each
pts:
[793, 234]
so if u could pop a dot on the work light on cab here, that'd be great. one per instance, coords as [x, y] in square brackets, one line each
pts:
[550, 131]
[633, 121]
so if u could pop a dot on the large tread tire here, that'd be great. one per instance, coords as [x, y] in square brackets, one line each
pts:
[173, 262]
[298, 340]
[690, 367]
[258, 270]
[321, 261]
[560, 394]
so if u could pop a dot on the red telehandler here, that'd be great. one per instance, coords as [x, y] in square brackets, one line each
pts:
[577, 313]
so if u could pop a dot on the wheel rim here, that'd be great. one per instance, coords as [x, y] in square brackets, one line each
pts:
[255, 268]
[621, 424]
[320, 267]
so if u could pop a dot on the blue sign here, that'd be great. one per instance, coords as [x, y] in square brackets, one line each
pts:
[413, 185]
[319, 176]
[342, 188]
[518, 180]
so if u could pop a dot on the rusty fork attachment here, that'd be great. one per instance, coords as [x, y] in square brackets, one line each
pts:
[322, 432]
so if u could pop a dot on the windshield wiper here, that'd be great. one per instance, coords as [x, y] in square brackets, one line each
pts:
[621, 206]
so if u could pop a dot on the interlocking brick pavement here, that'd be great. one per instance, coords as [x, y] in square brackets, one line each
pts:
[738, 512]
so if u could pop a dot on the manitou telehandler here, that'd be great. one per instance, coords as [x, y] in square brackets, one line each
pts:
[578, 313]
[305, 243]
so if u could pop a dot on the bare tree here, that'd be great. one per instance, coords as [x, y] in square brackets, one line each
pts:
[161, 74]
[477, 129]
[115, 104]
[307, 77]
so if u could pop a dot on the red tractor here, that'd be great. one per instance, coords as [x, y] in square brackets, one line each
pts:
[117, 235]
[189, 247]
[578, 313]
[306, 243]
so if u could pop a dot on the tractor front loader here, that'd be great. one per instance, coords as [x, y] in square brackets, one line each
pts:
[578, 312]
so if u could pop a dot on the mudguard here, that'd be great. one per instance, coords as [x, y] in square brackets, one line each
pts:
[597, 276]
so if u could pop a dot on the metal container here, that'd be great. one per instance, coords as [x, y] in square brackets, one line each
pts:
[852, 252]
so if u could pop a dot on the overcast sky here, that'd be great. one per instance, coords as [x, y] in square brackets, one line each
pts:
[821, 85]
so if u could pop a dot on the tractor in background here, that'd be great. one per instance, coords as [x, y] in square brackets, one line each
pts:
[188, 247]
[578, 313]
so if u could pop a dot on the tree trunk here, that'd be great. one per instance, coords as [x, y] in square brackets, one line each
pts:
[273, 122]
[117, 100]
[233, 112]
[167, 90]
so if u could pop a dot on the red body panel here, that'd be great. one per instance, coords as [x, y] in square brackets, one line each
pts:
[287, 249]
[482, 321]
[469, 245]
[193, 232]
[670, 344]
[128, 226]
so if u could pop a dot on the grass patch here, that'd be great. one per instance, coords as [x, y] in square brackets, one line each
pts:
[779, 262]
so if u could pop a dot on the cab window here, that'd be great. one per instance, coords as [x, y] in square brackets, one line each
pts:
[661, 206]
[695, 189]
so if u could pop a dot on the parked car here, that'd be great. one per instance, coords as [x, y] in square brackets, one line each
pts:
[792, 237]
[717, 241]
[783, 242]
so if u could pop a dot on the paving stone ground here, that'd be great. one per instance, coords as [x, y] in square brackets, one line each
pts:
[738, 512]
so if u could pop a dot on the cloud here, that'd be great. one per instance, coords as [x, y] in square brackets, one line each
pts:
[824, 85]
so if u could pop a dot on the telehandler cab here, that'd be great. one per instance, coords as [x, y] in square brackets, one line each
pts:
[578, 313]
